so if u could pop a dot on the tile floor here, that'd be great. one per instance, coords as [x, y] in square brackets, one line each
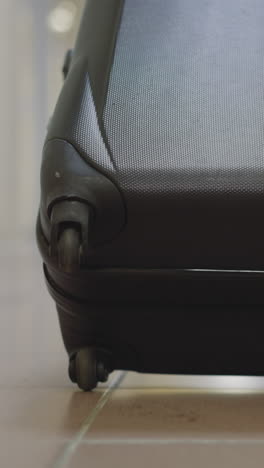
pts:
[135, 421]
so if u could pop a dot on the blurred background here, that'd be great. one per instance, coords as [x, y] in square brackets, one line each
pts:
[35, 34]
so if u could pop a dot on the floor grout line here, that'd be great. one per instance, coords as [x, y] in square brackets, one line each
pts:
[70, 449]
[178, 441]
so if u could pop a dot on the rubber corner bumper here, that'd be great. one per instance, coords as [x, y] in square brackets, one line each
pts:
[66, 176]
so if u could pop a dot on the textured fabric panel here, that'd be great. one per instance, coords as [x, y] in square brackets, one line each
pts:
[185, 110]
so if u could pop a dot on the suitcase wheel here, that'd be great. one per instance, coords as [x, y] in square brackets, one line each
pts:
[86, 370]
[69, 250]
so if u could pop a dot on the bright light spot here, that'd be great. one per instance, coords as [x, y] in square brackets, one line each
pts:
[62, 17]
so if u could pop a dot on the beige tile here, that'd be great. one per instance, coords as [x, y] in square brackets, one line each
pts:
[47, 413]
[36, 424]
[161, 414]
[27, 453]
[180, 455]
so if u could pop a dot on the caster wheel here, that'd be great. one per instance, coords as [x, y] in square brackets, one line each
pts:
[69, 250]
[88, 370]
[72, 370]
[102, 372]
[85, 368]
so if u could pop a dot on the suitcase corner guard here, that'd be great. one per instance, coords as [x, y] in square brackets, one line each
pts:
[80, 207]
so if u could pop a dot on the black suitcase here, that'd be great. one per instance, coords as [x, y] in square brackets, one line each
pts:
[152, 190]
